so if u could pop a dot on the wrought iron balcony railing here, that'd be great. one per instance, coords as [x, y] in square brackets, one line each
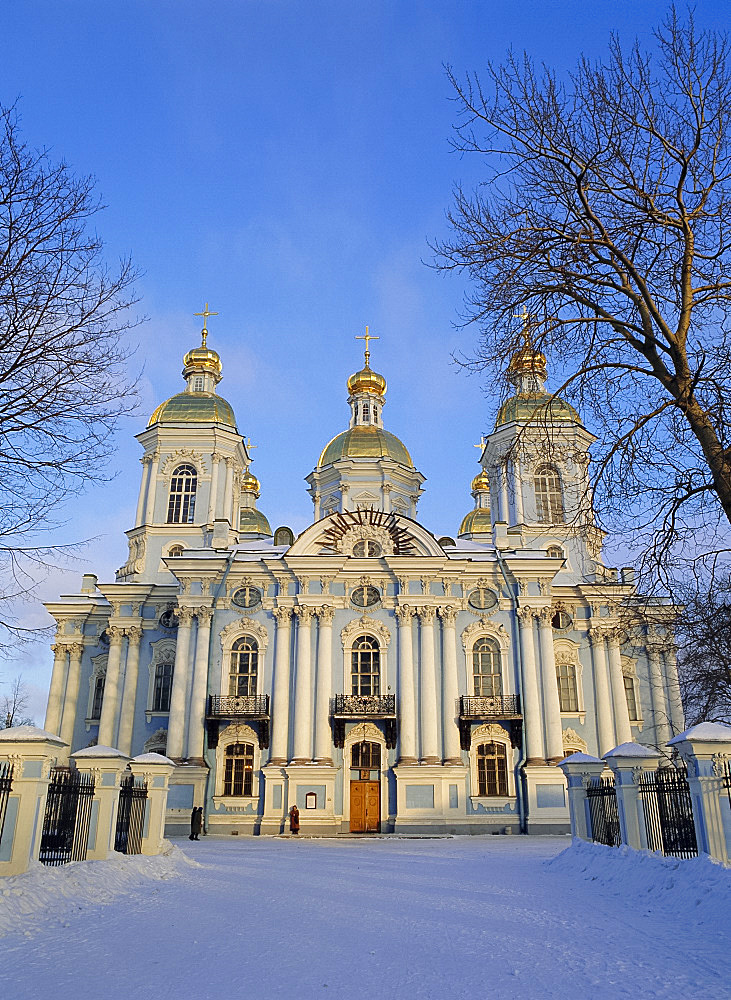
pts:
[497, 706]
[364, 706]
[230, 706]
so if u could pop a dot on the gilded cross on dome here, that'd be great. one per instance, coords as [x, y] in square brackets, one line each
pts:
[205, 314]
[367, 339]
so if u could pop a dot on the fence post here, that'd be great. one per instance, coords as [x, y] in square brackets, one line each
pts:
[703, 747]
[156, 771]
[106, 765]
[627, 761]
[32, 752]
[577, 768]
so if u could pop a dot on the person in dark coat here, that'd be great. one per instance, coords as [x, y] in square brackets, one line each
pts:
[294, 820]
[196, 823]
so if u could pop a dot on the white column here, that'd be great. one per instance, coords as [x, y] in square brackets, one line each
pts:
[406, 688]
[70, 702]
[215, 462]
[228, 489]
[619, 697]
[660, 713]
[323, 737]
[110, 703]
[58, 686]
[386, 498]
[303, 687]
[518, 487]
[280, 707]
[144, 482]
[181, 671]
[677, 717]
[603, 704]
[551, 705]
[197, 722]
[129, 697]
[450, 688]
[504, 506]
[428, 694]
[151, 489]
[531, 694]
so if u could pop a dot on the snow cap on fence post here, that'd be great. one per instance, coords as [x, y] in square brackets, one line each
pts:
[580, 769]
[32, 753]
[156, 771]
[706, 748]
[627, 762]
[106, 765]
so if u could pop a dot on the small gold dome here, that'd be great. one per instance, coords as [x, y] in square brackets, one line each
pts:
[477, 522]
[365, 442]
[481, 482]
[194, 408]
[528, 361]
[250, 484]
[366, 380]
[253, 522]
[202, 359]
[536, 407]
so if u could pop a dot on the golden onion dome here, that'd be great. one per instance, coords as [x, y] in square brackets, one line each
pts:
[365, 441]
[481, 482]
[366, 380]
[477, 522]
[250, 484]
[202, 359]
[194, 408]
[253, 522]
[528, 361]
[536, 407]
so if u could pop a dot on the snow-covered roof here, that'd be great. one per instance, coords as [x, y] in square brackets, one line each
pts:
[707, 732]
[581, 758]
[631, 750]
[99, 751]
[152, 758]
[29, 734]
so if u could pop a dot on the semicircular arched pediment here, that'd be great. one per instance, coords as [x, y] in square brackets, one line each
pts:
[406, 537]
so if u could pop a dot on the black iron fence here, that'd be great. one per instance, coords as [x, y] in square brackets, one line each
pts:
[130, 816]
[6, 783]
[363, 705]
[253, 706]
[668, 811]
[493, 706]
[68, 814]
[603, 812]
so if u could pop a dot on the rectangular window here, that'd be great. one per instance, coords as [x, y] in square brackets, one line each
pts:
[629, 690]
[567, 694]
[163, 687]
[238, 777]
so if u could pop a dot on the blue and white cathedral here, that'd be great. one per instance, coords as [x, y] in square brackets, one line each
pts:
[375, 675]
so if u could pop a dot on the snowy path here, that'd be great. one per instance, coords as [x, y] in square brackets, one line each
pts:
[442, 919]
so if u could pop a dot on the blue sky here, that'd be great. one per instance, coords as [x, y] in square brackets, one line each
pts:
[288, 163]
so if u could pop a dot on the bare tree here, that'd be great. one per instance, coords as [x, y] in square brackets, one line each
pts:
[606, 214]
[14, 705]
[703, 636]
[64, 380]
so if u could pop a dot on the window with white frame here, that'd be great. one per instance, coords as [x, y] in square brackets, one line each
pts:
[198, 383]
[549, 498]
[366, 547]
[163, 685]
[365, 665]
[486, 672]
[631, 696]
[238, 776]
[181, 501]
[175, 551]
[492, 769]
[97, 697]
[243, 667]
[568, 695]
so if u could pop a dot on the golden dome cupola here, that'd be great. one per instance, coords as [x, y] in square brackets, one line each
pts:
[252, 523]
[478, 522]
[366, 392]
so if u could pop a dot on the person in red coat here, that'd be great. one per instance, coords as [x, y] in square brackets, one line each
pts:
[294, 820]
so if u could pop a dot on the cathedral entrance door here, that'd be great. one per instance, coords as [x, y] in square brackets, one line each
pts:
[365, 806]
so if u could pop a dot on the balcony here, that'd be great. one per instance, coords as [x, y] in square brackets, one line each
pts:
[361, 707]
[235, 708]
[489, 708]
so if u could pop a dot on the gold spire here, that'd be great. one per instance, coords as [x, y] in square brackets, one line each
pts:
[527, 360]
[204, 332]
[367, 339]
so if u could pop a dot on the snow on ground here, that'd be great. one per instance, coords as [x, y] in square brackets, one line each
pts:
[438, 919]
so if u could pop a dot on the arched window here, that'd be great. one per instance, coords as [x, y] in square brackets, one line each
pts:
[163, 687]
[555, 552]
[238, 777]
[366, 411]
[568, 696]
[175, 551]
[631, 695]
[183, 486]
[198, 383]
[492, 769]
[96, 704]
[375, 414]
[486, 668]
[549, 500]
[366, 756]
[366, 547]
[365, 670]
[243, 669]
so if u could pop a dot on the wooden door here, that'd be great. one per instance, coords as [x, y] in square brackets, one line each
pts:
[365, 806]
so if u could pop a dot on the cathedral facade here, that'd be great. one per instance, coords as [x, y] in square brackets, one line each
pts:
[379, 677]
